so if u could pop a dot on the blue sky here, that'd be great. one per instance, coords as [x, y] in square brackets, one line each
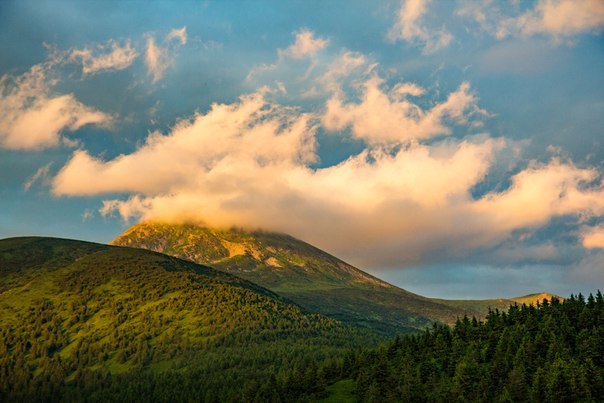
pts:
[453, 148]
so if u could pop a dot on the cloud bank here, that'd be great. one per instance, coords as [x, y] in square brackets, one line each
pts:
[397, 202]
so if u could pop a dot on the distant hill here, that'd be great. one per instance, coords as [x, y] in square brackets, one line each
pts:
[79, 319]
[480, 307]
[305, 274]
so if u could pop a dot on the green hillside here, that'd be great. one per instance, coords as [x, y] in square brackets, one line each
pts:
[309, 276]
[301, 272]
[79, 319]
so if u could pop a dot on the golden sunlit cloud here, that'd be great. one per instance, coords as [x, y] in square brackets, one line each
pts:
[306, 44]
[387, 204]
[593, 238]
[31, 117]
[391, 117]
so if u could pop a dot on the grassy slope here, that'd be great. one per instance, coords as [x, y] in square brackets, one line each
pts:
[303, 273]
[78, 306]
[482, 306]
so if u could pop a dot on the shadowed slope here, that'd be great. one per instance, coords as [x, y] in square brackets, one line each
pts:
[72, 311]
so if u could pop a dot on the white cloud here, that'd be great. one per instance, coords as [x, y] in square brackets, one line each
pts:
[248, 164]
[390, 117]
[178, 34]
[87, 215]
[306, 45]
[109, 56]
[559, 19]
[243, 129]
[543, 191]
[410, 27]
[31, 117]
[342, 66]
[157, 57]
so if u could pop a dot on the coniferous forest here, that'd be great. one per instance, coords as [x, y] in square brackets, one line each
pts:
[89, 322]
[552, 352]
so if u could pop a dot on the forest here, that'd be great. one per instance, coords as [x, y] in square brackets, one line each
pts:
[551, 352]
[87, 322]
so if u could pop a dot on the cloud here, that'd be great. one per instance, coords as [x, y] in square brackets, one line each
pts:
[158, 57]
[382, 117]
[588, 271]
[593, 238]
[559, 19]
[342, 66]
[409, 27]
[249, 164]
[40, 174]
[109, 56]
[32, 117]
[540, 192]
[562, 18]
[178, 34]
[244, 130]
[306, 45]
[87, 215]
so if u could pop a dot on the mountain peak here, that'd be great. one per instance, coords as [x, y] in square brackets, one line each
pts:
[303, 273]
[312, 278]
[279, 259]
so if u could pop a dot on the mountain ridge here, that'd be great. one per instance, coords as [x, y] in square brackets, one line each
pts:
[305, 274]
[79, 318]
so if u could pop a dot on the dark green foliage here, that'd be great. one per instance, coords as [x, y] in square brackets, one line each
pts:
[552, 352]
[87, 322]
[80, 321]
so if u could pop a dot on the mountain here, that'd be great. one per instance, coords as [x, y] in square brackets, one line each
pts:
[300, 272]
[481, 307]
[83, 321]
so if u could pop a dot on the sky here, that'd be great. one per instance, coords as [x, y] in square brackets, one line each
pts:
[453, 148]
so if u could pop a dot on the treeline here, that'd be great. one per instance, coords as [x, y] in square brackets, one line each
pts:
[551, 352]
